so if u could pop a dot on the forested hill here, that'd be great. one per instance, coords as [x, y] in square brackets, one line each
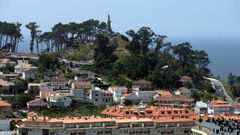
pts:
[119, 57]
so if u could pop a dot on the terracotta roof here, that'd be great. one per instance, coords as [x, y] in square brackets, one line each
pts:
[102, 120]
[125, 95]
[120, 87]
[28, 69]
[185, 79]
[176, 98]
[6, 83]
[219, 103]
[142, 82]
[4, 104]
[5, 61]
[164, 93]
[146, 111]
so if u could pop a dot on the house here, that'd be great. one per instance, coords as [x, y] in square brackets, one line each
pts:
[220, 107]
[185, 79]
[78, 94]
[4, 124]
[23, 65]
[183, 91]
[6, 62]
[85, 85]
[36, 104]
[236, 109]
[29, 73]
[117, 92]
[6, 90]
[59, 84]
[201, 107]
[101, 97]
[5, 108]
[141, 85]
[176, 100]
[59, 100]
[164, 93]
[131, 97]
[147, 96]
[44, 94]
[85, 75]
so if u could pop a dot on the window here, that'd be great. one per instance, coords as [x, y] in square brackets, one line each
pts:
[96, 95]
[96, 99]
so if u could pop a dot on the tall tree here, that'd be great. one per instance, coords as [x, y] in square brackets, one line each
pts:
[32, 26]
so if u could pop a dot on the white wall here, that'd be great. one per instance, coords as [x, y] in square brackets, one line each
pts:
[4, 125]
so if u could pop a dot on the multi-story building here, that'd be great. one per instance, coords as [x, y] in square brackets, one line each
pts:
[5, 108]
[141, 85]
[176, 100]
[118, 91]
[105, 126]
[147, 111]
[220, 107]
[101, 97]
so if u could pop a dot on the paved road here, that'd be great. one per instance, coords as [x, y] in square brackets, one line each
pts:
[218, 86]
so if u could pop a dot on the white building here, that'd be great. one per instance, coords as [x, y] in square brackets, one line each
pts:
[220, 107]
[78, 94]
[131, 97]
[59, 100]
[29, 73]
[4, 124]
[101, 97]
[118, 91]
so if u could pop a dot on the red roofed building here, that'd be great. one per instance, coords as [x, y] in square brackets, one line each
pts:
[29, 73]
[5, 108]
[6, 62]
[220, 107]
[176, 100]
[5, 89]
[185, 79]
[147, 111]
[141, 85]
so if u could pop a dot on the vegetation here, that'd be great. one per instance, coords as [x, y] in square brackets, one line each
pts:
[21, 100]
[233, 85]
[83, 110]
[10, 36]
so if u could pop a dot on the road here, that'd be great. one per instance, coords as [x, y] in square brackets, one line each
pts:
[218, 86]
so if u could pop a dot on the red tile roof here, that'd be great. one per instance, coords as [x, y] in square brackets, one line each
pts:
[185, 79]
[147, 111]
[142, 82]
[219, 103]
[4, 104]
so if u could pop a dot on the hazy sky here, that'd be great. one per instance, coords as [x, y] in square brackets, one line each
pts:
[174, 18]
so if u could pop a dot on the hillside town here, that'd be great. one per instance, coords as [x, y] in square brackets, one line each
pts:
[138, 108]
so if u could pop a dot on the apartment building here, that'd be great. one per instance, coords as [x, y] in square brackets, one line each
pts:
[105, 126]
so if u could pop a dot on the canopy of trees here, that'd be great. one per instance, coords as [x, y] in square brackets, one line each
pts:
[10, 36]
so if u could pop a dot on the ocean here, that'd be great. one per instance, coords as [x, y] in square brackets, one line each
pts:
[224, 53]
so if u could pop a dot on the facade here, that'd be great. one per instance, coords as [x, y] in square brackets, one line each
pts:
[85, 85]
[176, 100]
[183, 91]
[131, 97]
[4, 124]
[5, 108]
[5, 89]
[36, 104]
[85, 75]
[6, 62]
[101, 97]
[23, 65]
[118, 91]
[78, 94]
[147, 96]
[59, 100]
[220, 107]
[141, 85]
[29, 73]
[59, 84]
[105, 126]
